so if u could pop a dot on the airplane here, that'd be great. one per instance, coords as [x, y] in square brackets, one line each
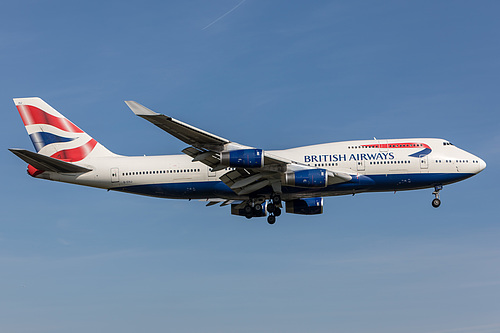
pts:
[253, 181]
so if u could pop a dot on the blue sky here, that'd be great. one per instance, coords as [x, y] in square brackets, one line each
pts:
[274, 75]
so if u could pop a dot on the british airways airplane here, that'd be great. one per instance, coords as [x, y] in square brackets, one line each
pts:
[255, 182]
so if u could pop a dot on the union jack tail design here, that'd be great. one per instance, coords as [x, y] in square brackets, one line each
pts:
[54, 135]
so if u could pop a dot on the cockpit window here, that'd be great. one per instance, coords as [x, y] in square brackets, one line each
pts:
[447, 144]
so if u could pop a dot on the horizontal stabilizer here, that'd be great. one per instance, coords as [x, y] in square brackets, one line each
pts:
[46, 163]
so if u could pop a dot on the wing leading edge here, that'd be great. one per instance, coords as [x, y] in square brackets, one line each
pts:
[182, 131]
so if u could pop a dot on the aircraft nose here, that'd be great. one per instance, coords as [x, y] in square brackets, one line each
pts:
[482, 165]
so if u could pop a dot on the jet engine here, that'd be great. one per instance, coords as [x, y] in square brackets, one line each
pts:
[305, 206]
[243, 158]
[306, 178]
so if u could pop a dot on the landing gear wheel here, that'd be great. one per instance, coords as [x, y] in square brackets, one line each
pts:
[271, 207]
[248, 215]
[271, 219]
[436, 202]
[276, 198]
[277, 211]
[248, 210]
[257, 207]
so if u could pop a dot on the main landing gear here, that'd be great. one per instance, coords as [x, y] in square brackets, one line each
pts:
[254, 208]
[254, 211]
[273, 207]
[436, 202]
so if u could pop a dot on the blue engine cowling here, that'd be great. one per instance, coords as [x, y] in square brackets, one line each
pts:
[243, 158]
[305, 206]
[307, 178]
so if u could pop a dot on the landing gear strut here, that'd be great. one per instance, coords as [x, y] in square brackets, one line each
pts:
[436, 202]
[274, 208]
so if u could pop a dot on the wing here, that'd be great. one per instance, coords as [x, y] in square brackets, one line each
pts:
[207, 148]
[189, 134]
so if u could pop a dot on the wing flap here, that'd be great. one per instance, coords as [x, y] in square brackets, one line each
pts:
[206, 157]
[243, 181]
[46, 163]
[247, 181]
[222, 202]
[254, 187]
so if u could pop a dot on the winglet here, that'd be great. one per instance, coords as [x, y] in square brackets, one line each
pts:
[140, 110]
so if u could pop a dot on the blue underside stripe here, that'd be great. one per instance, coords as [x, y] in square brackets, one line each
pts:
[369, 183]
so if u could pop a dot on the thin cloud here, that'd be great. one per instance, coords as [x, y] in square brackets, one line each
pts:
[227, 13]
[63, 242]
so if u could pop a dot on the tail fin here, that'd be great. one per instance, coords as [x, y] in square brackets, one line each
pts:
[54, 135]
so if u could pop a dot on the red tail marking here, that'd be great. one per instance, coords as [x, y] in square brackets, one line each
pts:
[75, 154]
[32, 115]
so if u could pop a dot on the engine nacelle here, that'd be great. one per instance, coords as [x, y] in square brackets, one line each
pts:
[243, 158]
[305, 206]
[306, 178]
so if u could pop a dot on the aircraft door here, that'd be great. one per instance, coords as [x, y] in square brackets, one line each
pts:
[424, 162]
[211, 173]
[115, 175]
[361, 165]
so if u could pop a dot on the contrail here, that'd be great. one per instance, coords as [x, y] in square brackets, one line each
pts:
[221, 17]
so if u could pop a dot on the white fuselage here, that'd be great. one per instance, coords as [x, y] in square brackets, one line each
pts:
[376, 165]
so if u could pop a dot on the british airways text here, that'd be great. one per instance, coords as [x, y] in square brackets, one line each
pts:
[345, 157]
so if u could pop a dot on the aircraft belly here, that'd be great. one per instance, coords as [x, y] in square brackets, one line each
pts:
[394, 182]
[185, 190]
[358, 184]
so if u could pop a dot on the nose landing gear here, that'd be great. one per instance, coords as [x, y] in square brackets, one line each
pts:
[436, 202]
